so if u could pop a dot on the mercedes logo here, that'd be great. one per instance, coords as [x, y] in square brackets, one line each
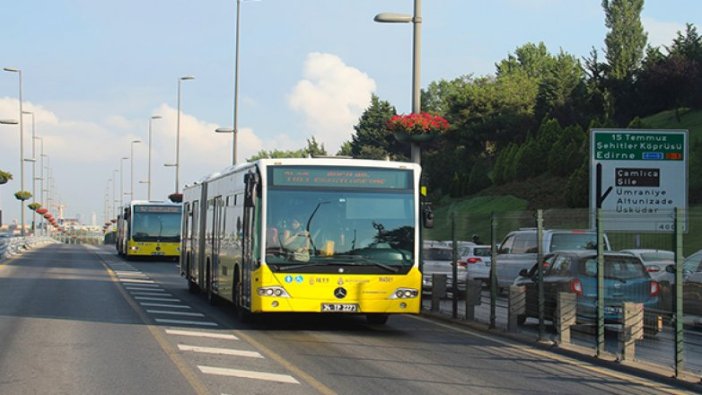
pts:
[340, 293]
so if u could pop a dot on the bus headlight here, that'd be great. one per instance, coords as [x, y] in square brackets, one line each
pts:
[134, 248]
[404, 293]
[279, 292]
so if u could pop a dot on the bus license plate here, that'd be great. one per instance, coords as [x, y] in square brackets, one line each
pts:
[339, 308]
[158, 253]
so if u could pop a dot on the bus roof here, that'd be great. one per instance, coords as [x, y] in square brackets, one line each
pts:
[326, 161]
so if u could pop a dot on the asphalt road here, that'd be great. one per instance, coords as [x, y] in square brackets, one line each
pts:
[78, 319]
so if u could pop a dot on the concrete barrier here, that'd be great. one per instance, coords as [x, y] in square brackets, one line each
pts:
[517, 306]
[438, 290]
[632, 330]
[473, 289]
[566, 310]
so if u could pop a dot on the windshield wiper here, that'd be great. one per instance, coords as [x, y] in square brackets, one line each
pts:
[365, 262]
[359, 260]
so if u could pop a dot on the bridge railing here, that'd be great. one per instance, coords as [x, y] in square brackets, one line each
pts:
[12, 246]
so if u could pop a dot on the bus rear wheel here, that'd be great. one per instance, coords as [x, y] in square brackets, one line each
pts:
[241, 312]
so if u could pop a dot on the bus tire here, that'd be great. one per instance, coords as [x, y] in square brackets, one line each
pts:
[192, 287]
[377, 319]
[211, 297]
[241, 312]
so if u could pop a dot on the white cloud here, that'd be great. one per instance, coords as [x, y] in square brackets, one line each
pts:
[661, 33]
[331, 97]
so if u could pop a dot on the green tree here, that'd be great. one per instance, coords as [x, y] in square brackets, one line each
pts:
[372, 136]
[562, 92]
[626, 39]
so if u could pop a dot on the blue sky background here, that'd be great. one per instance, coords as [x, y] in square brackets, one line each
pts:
[95, 71]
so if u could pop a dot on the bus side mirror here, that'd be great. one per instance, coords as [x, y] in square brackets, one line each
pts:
[428, 217]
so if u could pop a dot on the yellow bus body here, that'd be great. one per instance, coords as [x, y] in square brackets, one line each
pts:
[308, 292]
[153, 249]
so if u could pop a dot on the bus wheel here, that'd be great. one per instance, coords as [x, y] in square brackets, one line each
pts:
[192, 286]
[377, 319]
[211, 297]
[242, 314]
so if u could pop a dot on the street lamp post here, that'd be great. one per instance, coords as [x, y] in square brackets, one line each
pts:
[41, 174]
[236, 83]
[34, 167]
[7, 122]
[177, 162]
[114, 200]
[148, 179]
[131, 171]
[416, 21]
[121, 179]
[234, 131]
[19, 73]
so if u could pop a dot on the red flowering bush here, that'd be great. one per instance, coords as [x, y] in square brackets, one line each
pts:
[414, 124]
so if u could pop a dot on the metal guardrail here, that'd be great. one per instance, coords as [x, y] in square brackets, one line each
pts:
[12, 246]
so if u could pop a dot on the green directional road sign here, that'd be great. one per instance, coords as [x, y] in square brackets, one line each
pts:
[638, 177]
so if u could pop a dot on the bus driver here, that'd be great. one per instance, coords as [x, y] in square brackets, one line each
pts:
[297, 240]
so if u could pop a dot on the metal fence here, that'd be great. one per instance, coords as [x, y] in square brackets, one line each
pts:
[12, 246]
[607, 303]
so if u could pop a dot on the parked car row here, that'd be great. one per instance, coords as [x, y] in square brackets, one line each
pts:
[570, 261]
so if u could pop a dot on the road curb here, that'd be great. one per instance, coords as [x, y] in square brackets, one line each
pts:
[658, 373]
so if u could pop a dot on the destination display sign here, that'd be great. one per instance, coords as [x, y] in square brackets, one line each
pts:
[340, 177]
[157, 209]
[638, 178]
[639, 146]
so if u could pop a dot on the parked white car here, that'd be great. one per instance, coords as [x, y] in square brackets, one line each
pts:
[476, 259]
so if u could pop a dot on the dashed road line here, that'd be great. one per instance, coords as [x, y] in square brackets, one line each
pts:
[136, 281]
[183, 313]
[137, 293]
[172, 306]
[185, 322]
[281, 378]
[223, 336]
[220, 351]
[142, 286]
[156, 299]
[133, 288]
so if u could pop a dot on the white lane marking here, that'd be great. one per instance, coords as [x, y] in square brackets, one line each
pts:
[170, 306]
[183, 313]
[133, 280]
[220, 351]
[210, 335]
[156, 299]
[281, 378]
[150, 294]
[143, 286]
[184, 322]
[129, 273]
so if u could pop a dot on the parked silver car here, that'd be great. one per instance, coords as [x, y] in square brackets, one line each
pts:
[519, 249]
[438, 259]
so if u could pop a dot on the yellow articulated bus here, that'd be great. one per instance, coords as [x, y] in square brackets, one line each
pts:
[149, 229]
[313, 235]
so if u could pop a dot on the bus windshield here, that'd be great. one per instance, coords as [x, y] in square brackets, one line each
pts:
[150, 224]
[340, 230]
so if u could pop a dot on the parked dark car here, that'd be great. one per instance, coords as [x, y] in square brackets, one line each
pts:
[625, 280]
[692, 289]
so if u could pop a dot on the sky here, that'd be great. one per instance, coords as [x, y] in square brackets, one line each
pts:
[94, 72]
